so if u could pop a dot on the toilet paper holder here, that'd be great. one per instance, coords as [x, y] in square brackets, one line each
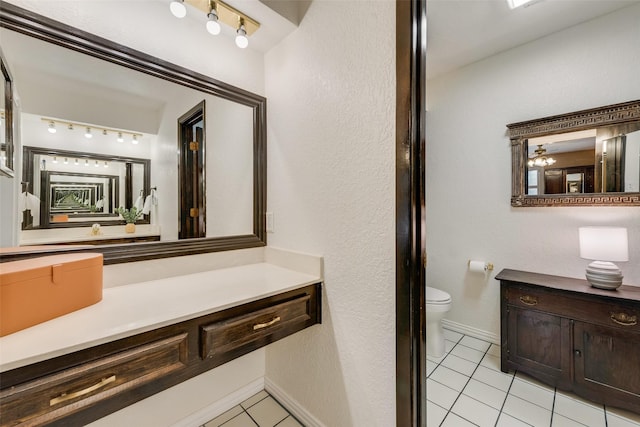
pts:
[479, 266]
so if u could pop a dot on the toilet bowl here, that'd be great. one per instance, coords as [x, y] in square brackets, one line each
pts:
[437, 304]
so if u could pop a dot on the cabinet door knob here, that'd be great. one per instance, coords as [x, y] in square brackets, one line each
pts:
[578, 353]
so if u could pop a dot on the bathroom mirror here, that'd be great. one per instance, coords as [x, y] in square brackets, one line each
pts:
[239, 149]
[6, 119]
[585, 158]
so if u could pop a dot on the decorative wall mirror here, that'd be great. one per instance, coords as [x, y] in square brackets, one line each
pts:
[585, 158]
[6, 119]
[145, 107]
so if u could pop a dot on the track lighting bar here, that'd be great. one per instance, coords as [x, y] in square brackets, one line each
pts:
[219, 12]
[89, 129]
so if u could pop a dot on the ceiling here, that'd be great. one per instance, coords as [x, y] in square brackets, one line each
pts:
[460, 32]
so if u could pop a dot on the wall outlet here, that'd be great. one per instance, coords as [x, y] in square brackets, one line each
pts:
[269, 216]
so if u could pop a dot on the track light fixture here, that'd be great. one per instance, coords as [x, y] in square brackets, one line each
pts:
[217, 12]
[213, 26]
[178, 8]
[89, 130]
[241, 35]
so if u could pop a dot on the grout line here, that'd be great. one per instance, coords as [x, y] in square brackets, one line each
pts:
[553, 405]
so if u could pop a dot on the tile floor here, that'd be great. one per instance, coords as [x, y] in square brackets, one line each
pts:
[467, 388]
[260, 410]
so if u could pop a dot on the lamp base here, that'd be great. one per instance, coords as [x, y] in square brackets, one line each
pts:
[604, 275]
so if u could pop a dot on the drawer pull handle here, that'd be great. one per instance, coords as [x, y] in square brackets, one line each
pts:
[267, 324]
[624, 319]
[528, 300]
[68, 396]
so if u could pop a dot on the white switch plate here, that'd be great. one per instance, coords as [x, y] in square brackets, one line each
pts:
[269, 216]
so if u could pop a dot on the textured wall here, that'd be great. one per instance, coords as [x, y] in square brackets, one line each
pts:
[331, 91]
[469, 161]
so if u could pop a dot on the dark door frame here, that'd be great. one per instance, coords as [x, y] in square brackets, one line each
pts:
[191, 185]
[411, 21]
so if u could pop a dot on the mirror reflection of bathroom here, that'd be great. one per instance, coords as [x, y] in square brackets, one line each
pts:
[590, 161]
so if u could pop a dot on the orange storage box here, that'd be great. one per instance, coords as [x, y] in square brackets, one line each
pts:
[35, 290]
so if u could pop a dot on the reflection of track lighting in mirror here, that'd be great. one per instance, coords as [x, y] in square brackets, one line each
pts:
[55, 159]
[89, 129]
[86, 163]
[106, 165]
[66, 161]
[134, 139]
[178, 9]
[97, 164]
[76, 162]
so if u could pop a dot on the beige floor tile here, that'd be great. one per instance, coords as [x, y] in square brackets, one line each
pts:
[223, 418]
[242, 420]
[267, 412]
[254, 399]
[289, 422]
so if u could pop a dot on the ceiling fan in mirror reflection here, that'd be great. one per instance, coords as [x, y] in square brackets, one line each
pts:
[52, 127]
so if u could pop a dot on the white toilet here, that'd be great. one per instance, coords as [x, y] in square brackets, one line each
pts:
[437, 304]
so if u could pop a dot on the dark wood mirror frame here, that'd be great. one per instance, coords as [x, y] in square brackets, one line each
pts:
[31, 24]
[6, 167]
[519, 133]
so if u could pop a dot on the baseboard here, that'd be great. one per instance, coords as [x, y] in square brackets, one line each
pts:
[292, 405]
[471, 331]
[221, 406]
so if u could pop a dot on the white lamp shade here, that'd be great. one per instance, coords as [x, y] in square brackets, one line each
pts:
[604, 243]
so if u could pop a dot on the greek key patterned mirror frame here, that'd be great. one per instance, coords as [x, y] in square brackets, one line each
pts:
[519, 133]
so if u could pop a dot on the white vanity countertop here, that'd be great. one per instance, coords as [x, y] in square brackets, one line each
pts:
[131, 309]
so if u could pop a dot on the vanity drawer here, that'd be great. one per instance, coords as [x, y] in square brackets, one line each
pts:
[52, 397]
[578, 307]
[222, 338]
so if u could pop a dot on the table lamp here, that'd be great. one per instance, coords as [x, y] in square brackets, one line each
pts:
[604, 245]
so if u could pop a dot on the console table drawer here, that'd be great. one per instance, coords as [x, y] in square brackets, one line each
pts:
[266, 325]
[606, 313]
[54, 396]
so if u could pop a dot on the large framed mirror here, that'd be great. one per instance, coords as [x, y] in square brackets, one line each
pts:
[73, 71]
[585, 158]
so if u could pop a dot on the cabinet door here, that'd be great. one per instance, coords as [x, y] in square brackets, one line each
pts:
[606, 365]
[539, 344]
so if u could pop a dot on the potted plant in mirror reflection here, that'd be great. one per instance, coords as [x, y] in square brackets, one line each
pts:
[130, 216]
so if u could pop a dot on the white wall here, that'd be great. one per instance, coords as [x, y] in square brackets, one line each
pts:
[331, 91]
[469, 160]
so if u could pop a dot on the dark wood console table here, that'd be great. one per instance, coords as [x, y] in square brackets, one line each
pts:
[572, 336]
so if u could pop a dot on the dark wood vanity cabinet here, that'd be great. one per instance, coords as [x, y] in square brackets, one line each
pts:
[83, 386]
[572, 336]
